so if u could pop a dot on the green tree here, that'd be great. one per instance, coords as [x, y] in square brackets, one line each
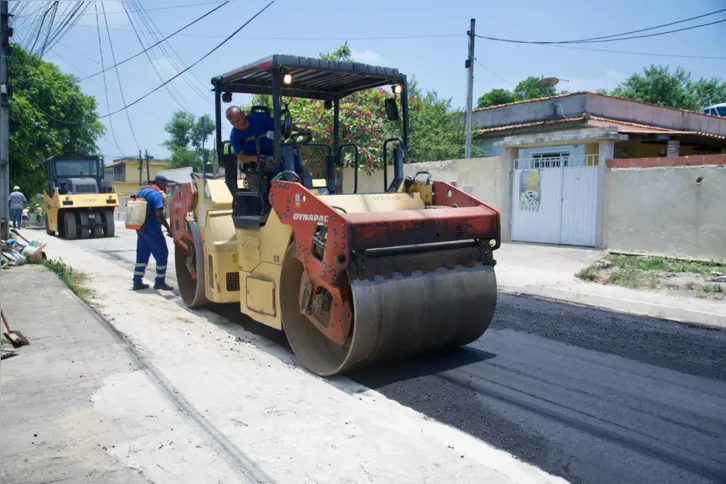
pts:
[495, 97]
[657, 85]
[49, 115]
[187, 135]
[526, 89]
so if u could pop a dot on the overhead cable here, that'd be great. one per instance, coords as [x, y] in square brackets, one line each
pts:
[191, 66]
[162, 40]
[589, 41]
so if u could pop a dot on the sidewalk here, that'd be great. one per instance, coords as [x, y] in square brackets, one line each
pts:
[549, 272]
[51, 432]
[242, 410]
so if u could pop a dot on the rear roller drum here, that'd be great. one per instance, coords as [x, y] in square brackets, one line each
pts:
[393, 318]
[191, 289]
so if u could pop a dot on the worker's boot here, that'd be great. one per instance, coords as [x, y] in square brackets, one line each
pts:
[139, 286]
[163, 286]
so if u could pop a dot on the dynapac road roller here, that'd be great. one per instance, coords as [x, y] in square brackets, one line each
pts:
[352, 279]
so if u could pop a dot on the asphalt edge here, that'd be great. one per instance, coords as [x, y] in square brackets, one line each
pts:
[621, 305]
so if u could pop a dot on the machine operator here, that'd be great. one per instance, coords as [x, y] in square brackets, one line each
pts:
[255, 124]
[150, 239]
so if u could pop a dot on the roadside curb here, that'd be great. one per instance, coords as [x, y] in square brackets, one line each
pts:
[623, 305]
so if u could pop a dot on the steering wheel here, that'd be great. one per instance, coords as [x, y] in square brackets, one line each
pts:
[290, 176]
[293, 138]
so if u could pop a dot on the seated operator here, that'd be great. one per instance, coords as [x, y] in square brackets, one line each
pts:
[255, 124]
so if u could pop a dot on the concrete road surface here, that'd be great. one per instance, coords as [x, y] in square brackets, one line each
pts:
[588, 395]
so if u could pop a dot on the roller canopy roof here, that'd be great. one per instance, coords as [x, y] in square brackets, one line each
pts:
[311, 78]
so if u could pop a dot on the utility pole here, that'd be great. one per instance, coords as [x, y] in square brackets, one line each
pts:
[141, 171]
[5, 33]
[204, 153]
[148, 176]
[470, 86]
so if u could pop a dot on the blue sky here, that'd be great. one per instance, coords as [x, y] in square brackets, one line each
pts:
[435, 57]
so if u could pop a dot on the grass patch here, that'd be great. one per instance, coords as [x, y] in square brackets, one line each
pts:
[649, 272]
[73, 279]
[664, 264]
[590, 273]
[713, 289]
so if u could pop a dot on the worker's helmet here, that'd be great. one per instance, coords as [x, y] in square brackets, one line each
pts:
[16, 187]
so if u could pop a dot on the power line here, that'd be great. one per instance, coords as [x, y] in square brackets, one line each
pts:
[118, 76]
[162, 40]
[191, 66]
[146, 19]
[587, 41]
[256, 37]
[650, 54]
[658, 26]
[105, 86]
[176, 97]
[171, 7]
[491, 71]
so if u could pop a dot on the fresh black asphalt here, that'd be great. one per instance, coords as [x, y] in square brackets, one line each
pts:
[589, 395]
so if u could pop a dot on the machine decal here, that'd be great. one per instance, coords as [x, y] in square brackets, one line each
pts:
[310, 217]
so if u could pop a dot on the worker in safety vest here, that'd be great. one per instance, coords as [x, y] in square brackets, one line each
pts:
[150, 239]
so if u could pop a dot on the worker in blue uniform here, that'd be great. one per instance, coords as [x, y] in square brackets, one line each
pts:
[150, 239]
[255, 124]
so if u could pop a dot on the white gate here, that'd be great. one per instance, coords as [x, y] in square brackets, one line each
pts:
[554, 199]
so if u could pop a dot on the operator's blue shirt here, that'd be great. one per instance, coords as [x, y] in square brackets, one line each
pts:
[259, 124]
[154, 200]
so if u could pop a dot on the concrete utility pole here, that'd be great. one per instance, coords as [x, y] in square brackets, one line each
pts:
[5, 34]
[470, 86]
[148, 175]
[141, 170]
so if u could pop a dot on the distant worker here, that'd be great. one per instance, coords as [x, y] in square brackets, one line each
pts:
[17, 201]
[26, 217]
[254, 124]
[150, 239]
[38, 212]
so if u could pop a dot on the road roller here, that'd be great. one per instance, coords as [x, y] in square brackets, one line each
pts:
[76, 202]
[353, 279]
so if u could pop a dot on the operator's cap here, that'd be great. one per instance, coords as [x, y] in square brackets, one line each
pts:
[159, 178]
[16, 187]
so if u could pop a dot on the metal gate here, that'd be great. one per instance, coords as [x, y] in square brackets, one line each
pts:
[555, 199]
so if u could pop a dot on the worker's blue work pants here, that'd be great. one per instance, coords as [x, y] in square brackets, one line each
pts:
[150, 243]
[16, 215]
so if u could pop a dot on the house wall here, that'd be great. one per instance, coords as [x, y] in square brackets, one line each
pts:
[132, 170]
[485, 178]
[670, 206]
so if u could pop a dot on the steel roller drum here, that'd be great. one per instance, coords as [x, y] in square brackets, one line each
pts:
[394, 318]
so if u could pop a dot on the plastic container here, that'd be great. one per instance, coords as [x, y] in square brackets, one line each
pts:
[135, 213]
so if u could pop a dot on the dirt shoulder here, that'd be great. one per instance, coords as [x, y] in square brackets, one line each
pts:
[686, 278]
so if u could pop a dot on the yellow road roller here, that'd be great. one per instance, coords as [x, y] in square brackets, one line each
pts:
[352, 279]
[76, 204]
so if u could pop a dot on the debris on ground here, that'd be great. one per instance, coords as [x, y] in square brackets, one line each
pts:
[15, 253]
[703, 279]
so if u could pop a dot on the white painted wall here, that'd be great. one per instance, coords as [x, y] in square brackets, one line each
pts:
[484, 178]
[665, 211]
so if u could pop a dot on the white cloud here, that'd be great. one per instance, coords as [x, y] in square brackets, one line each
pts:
[368, 57]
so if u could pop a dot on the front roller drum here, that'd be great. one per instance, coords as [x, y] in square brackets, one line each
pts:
[393, 318]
